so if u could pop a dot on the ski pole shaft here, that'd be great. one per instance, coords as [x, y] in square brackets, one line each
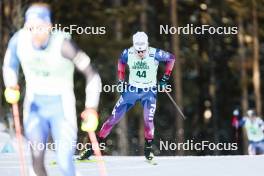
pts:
[97, 153]
[175, 104]
[19, 139]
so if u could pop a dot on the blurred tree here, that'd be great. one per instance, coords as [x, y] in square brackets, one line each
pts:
[243, 72]
[122, 136]
[10, 21]
[177, 74]
[241, 9]
[256, 67]
[1, 56]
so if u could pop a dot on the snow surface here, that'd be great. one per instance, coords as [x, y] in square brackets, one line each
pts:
[167, 166]
[136, 165]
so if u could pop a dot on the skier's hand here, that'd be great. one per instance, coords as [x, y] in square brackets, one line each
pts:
[163, 82]
[12, 94]
[121, 86]
[89, 120]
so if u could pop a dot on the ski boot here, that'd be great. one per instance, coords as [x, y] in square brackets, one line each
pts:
[88, 152]
[148, 152]
[148, 149]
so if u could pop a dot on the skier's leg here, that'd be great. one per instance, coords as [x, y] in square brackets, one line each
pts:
[36, 131]
[149, 111]
[149, 104]
[252, 149]
[64, 131]
[261, 147]
[125, 102]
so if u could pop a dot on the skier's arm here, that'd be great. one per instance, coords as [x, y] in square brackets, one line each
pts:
[242, 122]
[122, 65]
[10, 72]
[238, 123]
[169, 59]
[11, 64]
[166, 57]
[261, 124]
[82, 63]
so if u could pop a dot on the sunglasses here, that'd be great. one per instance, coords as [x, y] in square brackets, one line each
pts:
[143, 51]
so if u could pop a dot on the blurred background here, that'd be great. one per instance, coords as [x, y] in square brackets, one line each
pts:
[213, 75]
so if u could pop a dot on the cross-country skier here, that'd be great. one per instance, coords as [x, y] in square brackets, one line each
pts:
[255, 132]
[48, 59]
[143, 62]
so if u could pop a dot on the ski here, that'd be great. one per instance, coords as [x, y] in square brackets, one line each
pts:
[54, 162]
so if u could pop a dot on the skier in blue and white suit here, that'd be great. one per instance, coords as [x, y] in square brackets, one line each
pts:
[143, 62]
[48, 60]
[254, 126]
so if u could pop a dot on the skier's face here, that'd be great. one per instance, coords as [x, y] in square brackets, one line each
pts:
[141, 54]
[39, 31]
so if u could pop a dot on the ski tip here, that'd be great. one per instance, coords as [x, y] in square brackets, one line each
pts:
[87, 161]
[54, 163]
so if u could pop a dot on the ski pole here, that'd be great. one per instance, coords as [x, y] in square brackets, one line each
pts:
[175, 104]
[19, 139]
[97, 153]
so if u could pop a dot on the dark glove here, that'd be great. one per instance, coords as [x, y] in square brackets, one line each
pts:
[121, 86]
[164, 81]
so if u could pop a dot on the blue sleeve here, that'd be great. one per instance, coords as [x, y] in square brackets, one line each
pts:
[11, 63]
[124, 56]
[163, 56]
[12, 60]
[261, 122]
[241, 122]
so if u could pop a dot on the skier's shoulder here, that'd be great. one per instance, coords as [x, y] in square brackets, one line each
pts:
[19, 38]
[17, 33]
[162, 55]
[124, 55]
[22, 34]
[129, 50]
[152, 51]
[14, 38]
[244, 119]
[259, 119]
